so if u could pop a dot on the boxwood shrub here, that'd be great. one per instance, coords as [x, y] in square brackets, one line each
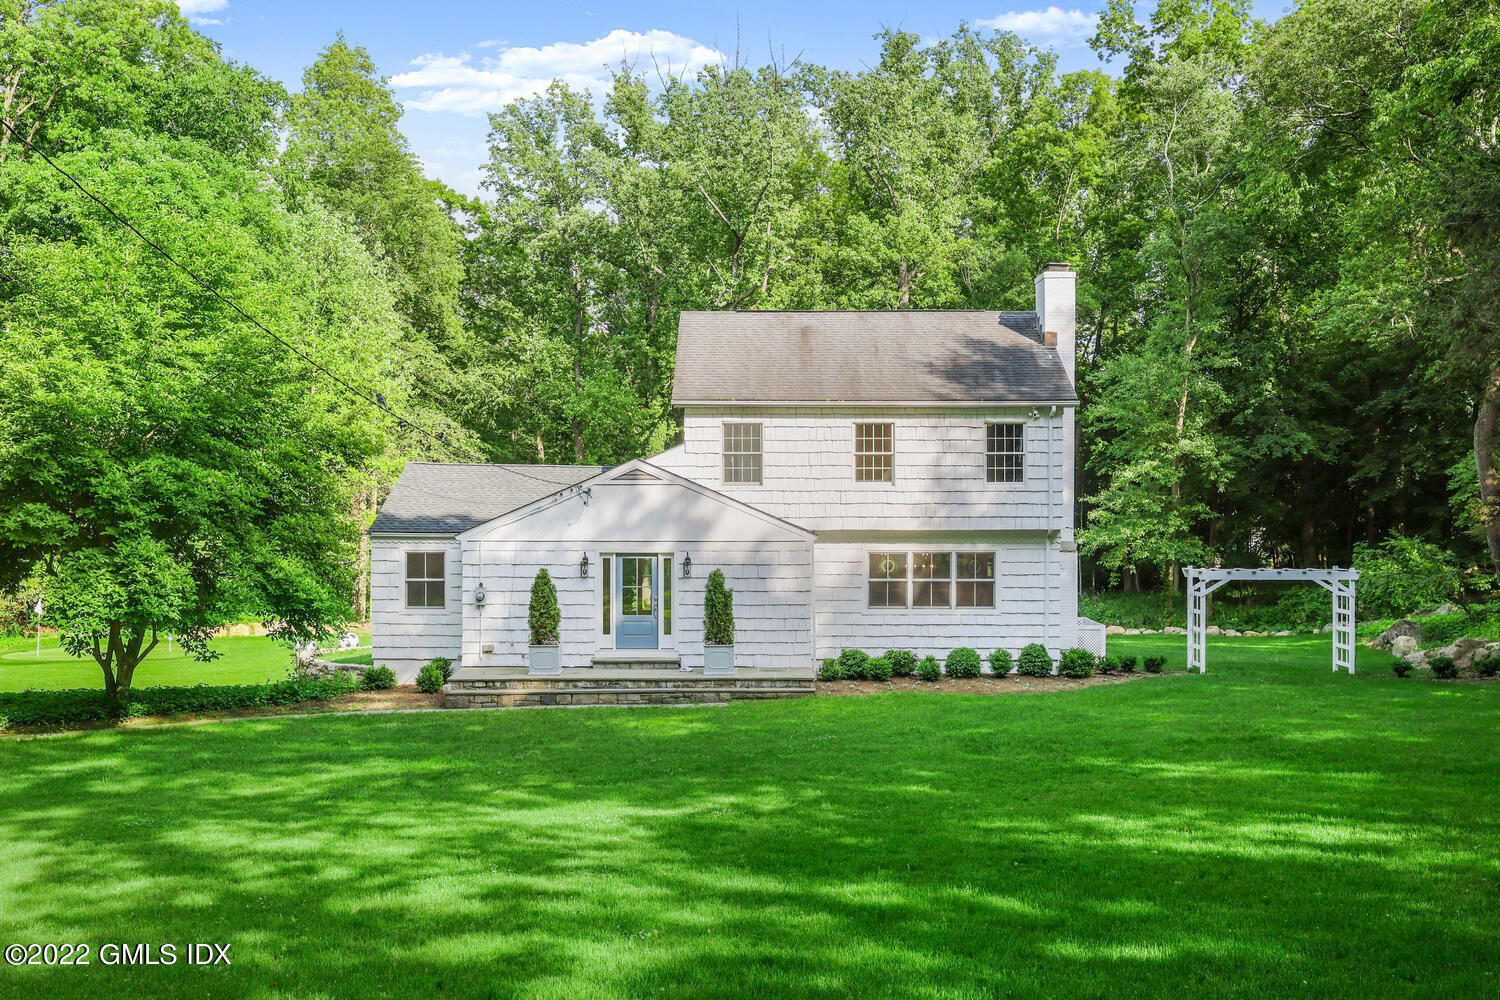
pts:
[877, 668]
[1125, 664]
[904, 662]
[929, 669]
[853, 663]
[1155, 664]
[1075, 662]
[1488, 667]
[963, 662]
[1107, 665]
[832, 670]
[72, 707]
[378, 679]
[444, 665]
[1443, 667]
[1034, 661]
[430, 679]
[1000, 662]
[1401, 668]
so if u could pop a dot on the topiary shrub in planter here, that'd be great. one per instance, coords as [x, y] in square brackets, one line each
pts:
[1443, 667]
[929, 669]
[718, 627]
[852, 662]
[378, 679]
[831, 670]
[1000, 662]
[543, 616]
[1034, 661]
[1155, 664]
[1401, 668]
[877, 668]
[430, 678]
[1125, 664]
[904, 662]
[1076, 662]
[963, 662]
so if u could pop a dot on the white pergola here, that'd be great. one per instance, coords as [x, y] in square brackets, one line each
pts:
[1202, 581]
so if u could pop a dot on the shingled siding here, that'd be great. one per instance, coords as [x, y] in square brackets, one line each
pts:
[939, 478]
[405, 638]
[772, 600]
[1036, 599]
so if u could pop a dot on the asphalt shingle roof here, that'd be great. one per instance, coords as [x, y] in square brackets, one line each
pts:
[446, 498]
[896, 356]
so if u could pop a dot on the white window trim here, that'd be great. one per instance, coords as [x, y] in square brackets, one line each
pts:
[984, 463]
[854, 454]
[911, 550]
[724, 453]
[405, 579]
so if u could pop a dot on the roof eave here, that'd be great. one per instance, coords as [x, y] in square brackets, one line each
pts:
[934, 403]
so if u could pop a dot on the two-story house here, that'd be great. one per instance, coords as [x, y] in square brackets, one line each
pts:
[870, 480]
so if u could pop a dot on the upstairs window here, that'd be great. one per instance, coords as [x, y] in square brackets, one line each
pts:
[742, 453]
[425, 582]
[873, 454]
[1004, 452]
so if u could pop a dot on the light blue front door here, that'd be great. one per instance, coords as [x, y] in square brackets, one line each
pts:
[636, 592]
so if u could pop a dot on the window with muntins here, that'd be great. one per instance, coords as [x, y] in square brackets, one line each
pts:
[887, 579]
[742, 456]
[1004, 453]
[932, 579]
[424, 580]
[874, 457]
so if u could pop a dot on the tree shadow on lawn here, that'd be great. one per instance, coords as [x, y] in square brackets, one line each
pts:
[1138, 840]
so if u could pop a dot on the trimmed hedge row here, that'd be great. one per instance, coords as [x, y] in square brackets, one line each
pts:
[1034, 661]
[75, 706]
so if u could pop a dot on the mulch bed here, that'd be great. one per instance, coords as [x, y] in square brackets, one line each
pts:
[1009, 684]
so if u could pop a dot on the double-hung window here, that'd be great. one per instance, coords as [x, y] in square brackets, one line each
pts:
[1004, 453]
[932, 579]
[742, 458]
[425, 582]
[874, 453]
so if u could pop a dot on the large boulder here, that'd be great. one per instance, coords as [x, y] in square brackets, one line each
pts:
[1465, 649]
[1403, 645]
[1405, 627]
[1114, 630]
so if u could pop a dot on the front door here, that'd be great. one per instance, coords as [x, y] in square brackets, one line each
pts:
[637, 596]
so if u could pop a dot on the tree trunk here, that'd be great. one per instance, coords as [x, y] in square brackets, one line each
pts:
[1485, 425]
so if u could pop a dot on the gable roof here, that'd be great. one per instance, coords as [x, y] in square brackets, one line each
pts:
[444, 498]
[891, 356]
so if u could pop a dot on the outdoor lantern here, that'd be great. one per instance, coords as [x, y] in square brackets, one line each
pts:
[687, 566]
[479, 594]
[583, 566]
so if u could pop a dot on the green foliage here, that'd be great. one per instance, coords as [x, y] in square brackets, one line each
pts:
[1401, 668]
[431, 678]
[832, 670]
[66, 708]
[718, 611]
[543, 617]
[903, 662]
[1443, 667]
[852, 664]
[378, 679]
[1000, 662]
[1402, 575]
[1034, 661]
[1125, 664]
[444, 667]
[1155, 664]
[1108, 665]
[929, 669]
[1076, 662]
[962, 663]
[1487, 667]
[877, 668]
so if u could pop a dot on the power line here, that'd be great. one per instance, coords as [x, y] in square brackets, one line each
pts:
[375, 398]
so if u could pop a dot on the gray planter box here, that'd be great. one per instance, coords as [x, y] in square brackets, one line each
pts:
[718, 661]
[543, 660]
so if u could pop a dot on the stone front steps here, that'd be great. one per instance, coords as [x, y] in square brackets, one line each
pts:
[499, 688]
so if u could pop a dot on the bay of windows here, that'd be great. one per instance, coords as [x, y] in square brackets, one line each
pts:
[932, 579]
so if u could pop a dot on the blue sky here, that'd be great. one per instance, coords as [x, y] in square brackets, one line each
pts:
[453, 62]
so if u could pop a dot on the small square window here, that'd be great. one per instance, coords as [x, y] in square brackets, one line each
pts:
[742, 456]
[1004, 453]
[874, 456]
[425, 580]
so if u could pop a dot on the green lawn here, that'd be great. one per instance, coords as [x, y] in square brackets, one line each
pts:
[1268, 829]
[244, 661]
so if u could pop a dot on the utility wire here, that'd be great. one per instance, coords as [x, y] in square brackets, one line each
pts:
[376, 398]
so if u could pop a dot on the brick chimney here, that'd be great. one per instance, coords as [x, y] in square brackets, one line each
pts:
[1056, 311]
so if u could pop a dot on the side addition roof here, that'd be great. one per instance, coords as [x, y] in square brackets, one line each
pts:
[901, 356]
[441, 498]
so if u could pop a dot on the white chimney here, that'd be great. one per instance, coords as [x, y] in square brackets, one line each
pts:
[1056, 311]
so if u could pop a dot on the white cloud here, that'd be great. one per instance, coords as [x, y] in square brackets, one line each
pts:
[457, 83]
[1051, 25]
[194, 10]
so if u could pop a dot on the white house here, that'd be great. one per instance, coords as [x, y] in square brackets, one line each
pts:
[869, 480]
